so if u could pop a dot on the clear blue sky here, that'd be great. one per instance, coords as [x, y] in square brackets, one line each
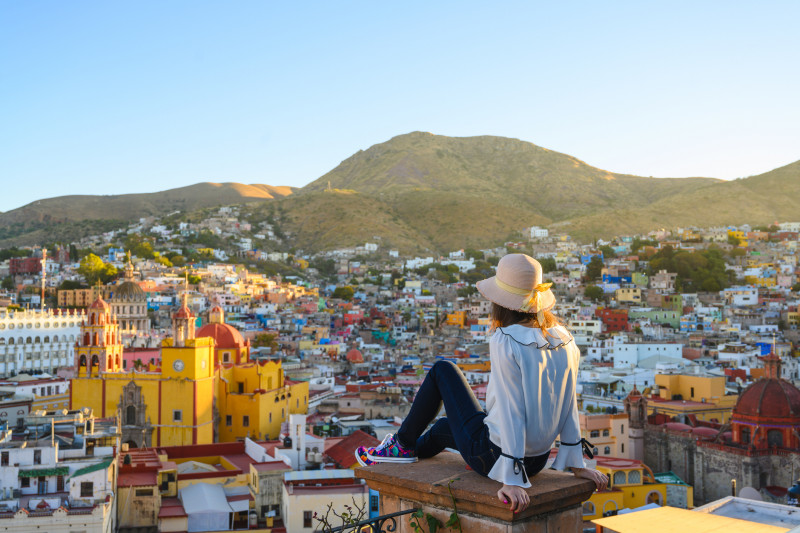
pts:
[118, 97]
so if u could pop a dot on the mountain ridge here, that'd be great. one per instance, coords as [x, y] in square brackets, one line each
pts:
[438, 193]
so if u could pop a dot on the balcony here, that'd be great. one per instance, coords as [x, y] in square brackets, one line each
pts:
[556, 497]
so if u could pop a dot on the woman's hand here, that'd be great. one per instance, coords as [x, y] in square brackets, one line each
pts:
[599, 478]
[515, 496]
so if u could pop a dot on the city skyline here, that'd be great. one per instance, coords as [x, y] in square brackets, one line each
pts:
[103, 99]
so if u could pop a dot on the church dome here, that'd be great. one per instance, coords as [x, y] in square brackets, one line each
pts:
[184, 312]
[129, 291]
[354, 356]
[99, 304]
[225, 335]
[769, 398]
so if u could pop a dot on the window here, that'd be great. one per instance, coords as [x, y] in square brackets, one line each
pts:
[605, 433]
[37, 457]
[228, 420]
[619, 478]
[246, 421]
[307, 519]
[607, 450]
[691, 392]
[4, 459]
[654, 497]
[144, 492]
[622, 448]
[634, 477]
[240, 386]
[24, 482]
[745, 436]
[177, 415]
[622, 429]
[594, 434]
[87, 489]
[775, 438]
[374, 503]
[588, 509]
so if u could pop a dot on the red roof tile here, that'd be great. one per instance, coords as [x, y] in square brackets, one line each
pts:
[343, 454]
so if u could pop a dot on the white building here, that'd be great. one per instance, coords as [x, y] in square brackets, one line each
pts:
[59, 484]
[740, 296]
[630, 355]
[539, 233]
[36, 341]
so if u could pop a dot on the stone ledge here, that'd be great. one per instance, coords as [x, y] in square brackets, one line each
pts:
[426, 482]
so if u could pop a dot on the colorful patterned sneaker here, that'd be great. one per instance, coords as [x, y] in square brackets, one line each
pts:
[361, 457]
[389, 451]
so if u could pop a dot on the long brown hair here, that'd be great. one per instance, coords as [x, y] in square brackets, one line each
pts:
[501, 317]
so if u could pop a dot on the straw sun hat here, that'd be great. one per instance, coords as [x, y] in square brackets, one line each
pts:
[518, 286]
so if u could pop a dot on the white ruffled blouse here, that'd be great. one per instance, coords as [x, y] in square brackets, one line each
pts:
[531, 398]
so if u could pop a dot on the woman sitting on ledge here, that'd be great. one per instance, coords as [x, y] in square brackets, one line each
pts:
[531, 397]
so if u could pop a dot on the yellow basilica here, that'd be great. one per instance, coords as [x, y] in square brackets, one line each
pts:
[207, 389]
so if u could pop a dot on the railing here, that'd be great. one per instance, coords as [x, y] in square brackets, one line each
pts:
[374, 525]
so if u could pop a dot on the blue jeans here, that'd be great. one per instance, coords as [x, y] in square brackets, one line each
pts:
[463, 428]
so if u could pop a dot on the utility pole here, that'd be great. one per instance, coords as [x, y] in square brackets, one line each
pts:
[44, 276]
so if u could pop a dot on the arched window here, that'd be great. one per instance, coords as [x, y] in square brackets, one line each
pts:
[610, 508]
[91, 319]
[654, 497]
[775, 438]
[619, 478]
[82, 361]
[607, 450]
[97, 339]
[46, 339]
[37, 339]
[745, 436]
[634, 477]
[95, 360]
[130, 415]
[10, 340]
[86, 341]
[588, 509]
[29, 340]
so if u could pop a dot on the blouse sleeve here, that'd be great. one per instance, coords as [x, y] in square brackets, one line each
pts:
[510, 406]
[570, 456]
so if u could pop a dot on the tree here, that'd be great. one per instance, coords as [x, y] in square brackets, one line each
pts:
[139, 246]
[593, 292]
[344, 293]
[266, 340]
[161, 260]
[68, 285]
[8, 284]
[594, 268]
[608, 251]
[734, 240]
[548, 264]
[473, 254]
[93, 269]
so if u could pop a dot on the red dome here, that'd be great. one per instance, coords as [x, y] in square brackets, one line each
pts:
[99, 304]
[769, 398]
[677, 426]
[354, 356]
[705, 432]
[226, 336]
[184, 312]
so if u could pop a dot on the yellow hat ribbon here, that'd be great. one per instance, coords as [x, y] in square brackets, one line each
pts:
[532, 300]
